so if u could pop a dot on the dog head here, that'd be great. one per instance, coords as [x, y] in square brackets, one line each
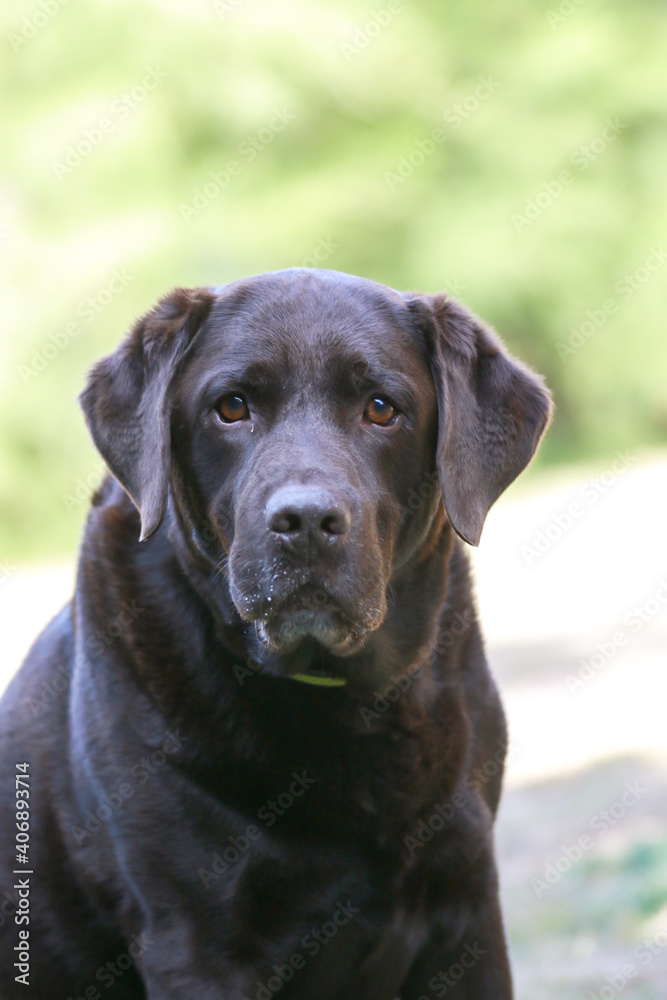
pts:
[291, 418]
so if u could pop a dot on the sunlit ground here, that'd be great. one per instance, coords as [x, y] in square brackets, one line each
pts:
[577, 637]
[572, 584]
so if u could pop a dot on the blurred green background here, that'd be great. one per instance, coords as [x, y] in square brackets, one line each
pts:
[116, 114]
[513, 154]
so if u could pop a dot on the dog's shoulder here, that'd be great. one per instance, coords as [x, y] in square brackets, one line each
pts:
[38, 687]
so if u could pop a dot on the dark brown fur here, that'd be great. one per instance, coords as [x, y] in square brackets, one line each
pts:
[185, 646]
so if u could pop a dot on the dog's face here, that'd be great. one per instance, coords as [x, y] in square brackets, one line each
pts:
[293, 418]
[301, 437]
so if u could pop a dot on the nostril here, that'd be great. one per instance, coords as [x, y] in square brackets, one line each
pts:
[285, 522]
[307, 518]
[293, 522]
[334, 523]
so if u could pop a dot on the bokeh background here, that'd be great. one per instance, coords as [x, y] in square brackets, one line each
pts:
[513, 154]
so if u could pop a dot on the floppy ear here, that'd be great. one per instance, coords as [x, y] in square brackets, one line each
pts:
[127, 400]
[492, 412]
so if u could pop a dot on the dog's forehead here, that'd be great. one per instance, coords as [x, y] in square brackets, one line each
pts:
[305, 321]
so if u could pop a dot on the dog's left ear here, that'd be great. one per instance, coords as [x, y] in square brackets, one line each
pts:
[492, 411]
[127, 400]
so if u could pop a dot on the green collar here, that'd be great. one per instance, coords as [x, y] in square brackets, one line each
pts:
[322, 681]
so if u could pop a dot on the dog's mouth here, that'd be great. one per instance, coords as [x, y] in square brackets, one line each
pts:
[285, 628]
[309, 615]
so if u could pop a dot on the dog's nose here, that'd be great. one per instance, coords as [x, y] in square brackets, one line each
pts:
[308, 519]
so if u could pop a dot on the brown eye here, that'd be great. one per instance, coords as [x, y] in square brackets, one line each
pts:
[379, 411]
[232, 408]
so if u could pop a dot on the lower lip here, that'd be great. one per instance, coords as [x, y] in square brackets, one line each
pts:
[321, 621]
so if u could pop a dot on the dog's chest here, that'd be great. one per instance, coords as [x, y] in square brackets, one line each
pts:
[334, 915]
[336, 876]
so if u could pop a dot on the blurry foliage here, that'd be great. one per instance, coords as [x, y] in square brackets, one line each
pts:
[363, 96]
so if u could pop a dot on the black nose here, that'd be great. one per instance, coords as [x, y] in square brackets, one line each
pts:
[308, 519]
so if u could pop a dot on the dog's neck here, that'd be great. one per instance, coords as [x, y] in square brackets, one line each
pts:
[191, 665]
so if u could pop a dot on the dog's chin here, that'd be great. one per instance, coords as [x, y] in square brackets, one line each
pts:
[284, 631]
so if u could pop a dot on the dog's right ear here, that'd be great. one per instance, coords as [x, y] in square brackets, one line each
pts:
[127, 400]
[492, 411]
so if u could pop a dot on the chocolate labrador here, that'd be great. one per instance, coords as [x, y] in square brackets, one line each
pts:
[260, 752]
